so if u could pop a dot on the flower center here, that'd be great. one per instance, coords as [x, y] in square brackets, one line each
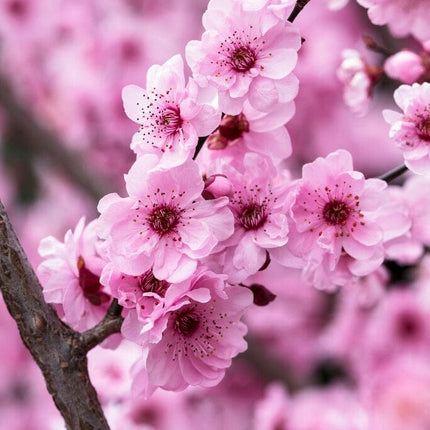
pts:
[187, 323]
[148, 283]
[253, 216]
[336, 212]
[423, 129]
[90, 285]
[242, 59]
[163, 219]
[170, 120]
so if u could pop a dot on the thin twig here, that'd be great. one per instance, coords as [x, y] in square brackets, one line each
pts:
[297, 9]
[199, 146]
[110, 324]
[375, 47]
[393, 174]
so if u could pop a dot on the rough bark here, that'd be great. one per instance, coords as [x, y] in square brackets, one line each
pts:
[59, 351]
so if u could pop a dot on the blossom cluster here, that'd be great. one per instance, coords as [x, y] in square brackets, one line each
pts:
[178, 250]
[178, 245]
[214, 212]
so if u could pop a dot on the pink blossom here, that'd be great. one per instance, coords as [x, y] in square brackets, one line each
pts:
[358, 79]
[335, 225]
[405, 66]
[164, 224]
[403, 17]
[245, 58]
[280, 8]
[199, 340]
[257, 202]
[70, 276]
[411, 130]
[169, 113]
[146, 299]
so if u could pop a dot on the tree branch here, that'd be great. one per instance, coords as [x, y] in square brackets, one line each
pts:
[393, 174]
[297, 9]
[49, 146]
[57, 349]
[199, 146]
[110, 324]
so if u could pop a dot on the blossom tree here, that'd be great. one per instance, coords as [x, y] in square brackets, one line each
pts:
[247, 214]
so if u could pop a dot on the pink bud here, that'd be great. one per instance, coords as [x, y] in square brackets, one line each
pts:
[405, 66]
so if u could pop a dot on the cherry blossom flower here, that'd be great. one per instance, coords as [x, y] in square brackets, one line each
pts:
[170, 116]
[146, 299]
[411, 130]
[403, 17]
[335, 221]
[164, 224]
[199, 340]
[257, 202]
[358, 79]
[244, 57]
[70, 276]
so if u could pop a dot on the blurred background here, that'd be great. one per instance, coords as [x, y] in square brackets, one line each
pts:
[352, 360]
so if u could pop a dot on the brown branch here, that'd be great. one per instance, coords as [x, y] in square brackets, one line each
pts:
[297, 9]
[393, 174]
[56, 348]
[110, 324]
[47, 145]
[199, 146]
[375, 47]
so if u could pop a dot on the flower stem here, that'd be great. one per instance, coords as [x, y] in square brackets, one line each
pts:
[393, 174]
[199, 146]
[297, 9]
